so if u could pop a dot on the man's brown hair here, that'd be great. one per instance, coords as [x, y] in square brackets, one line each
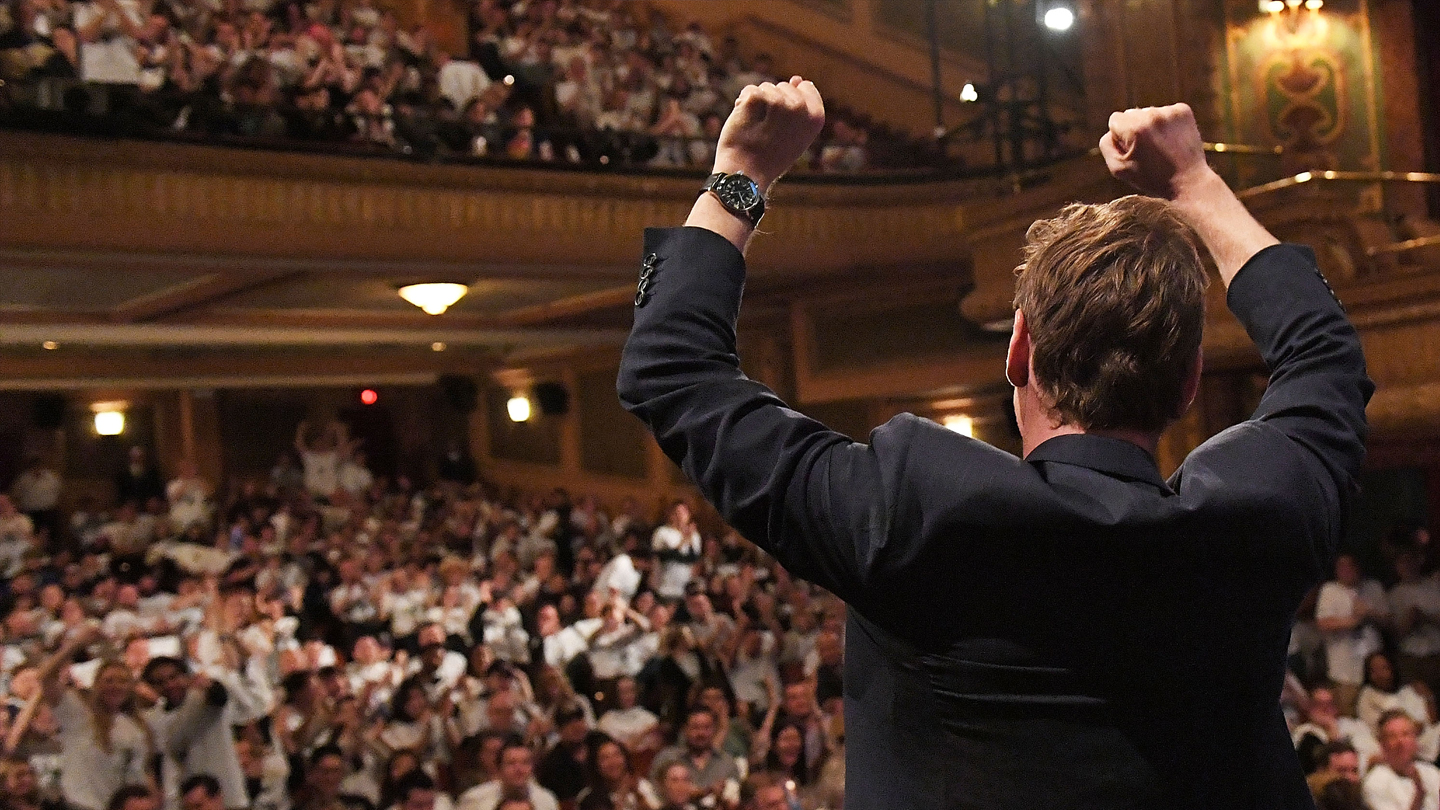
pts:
[1114, 298]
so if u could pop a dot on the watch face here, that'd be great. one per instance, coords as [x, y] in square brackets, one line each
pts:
[738, 191]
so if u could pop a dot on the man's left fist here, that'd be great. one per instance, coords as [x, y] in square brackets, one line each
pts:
[770, 128]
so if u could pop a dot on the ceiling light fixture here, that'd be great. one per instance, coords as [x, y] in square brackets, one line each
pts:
[434, 297]
[1058, 17]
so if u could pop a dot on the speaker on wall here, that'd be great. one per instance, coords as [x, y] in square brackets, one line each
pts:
[48, 411]
[460, 391]
[553, 399]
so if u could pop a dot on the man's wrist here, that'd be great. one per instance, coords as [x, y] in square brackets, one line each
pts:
[1197, 193]
[732, 166]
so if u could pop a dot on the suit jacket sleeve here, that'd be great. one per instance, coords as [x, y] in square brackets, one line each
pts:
[1318, 387]
[806, 494]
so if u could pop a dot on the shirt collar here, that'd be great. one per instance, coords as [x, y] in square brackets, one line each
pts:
[1116, 458]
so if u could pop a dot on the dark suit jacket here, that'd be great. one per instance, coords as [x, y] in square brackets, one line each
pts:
[1069, 630]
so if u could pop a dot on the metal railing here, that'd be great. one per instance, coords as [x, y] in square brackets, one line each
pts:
[1340, 176]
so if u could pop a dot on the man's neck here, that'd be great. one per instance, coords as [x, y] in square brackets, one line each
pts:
[1042, 430]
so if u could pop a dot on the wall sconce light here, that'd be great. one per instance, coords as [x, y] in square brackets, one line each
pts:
[960, 423]
[1295, 22]
[109, 418]
[1279, 6]
[434, 297]
[519, 408]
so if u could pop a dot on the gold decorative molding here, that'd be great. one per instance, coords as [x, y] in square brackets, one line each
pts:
[249, 209]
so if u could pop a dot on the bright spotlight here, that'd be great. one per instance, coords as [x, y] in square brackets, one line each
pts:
[109, 423]
[519, 409]
[968, 93]
[1059, 18]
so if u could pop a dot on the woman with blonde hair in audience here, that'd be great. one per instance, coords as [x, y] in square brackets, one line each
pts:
[104, 743]
[554, 693]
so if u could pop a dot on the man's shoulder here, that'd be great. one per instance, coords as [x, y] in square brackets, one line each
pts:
[1381, 774]
[479, 793]
[542, 797]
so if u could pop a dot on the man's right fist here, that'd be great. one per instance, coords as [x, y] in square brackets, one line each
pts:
[1155, 149]
[770, 128]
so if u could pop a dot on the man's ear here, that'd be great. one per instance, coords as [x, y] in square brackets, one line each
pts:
[1191, 387]
[1017, 359]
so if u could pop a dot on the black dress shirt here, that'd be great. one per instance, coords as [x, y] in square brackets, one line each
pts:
[1069, 630]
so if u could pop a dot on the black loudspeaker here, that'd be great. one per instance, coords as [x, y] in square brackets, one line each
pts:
[554, 400]
[460, 391]
[49, 411]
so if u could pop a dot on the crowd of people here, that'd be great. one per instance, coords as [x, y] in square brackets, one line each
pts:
[561, 81]
[328, 639]
[1364, 675]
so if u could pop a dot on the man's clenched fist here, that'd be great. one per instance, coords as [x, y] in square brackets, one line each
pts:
[770, 128]
[1156, 149]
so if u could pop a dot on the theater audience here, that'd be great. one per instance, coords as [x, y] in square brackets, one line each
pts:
[429, 648]
[579, 82]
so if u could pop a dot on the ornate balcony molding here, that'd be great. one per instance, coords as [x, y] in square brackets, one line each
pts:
[119, 199]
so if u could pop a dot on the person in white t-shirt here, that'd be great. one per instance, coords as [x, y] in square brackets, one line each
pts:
[629, 723]
[104, 743]
[678, 545]
[1415, 606]
[1350, 612]
[108, 30]
[626, 571]
[16, 537]
[321, 458]
[1323, 724]
[355, 477]
[36, 491]
[189, 497]
[517, 778]
[1400, 781]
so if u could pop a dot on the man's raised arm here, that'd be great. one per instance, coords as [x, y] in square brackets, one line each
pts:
[1158, 151]
[805, 493]
[1318, 387]
[770, 128]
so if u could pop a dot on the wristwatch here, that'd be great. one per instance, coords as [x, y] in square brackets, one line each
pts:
[739, 194]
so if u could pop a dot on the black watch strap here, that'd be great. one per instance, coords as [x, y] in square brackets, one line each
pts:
[732, 203]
